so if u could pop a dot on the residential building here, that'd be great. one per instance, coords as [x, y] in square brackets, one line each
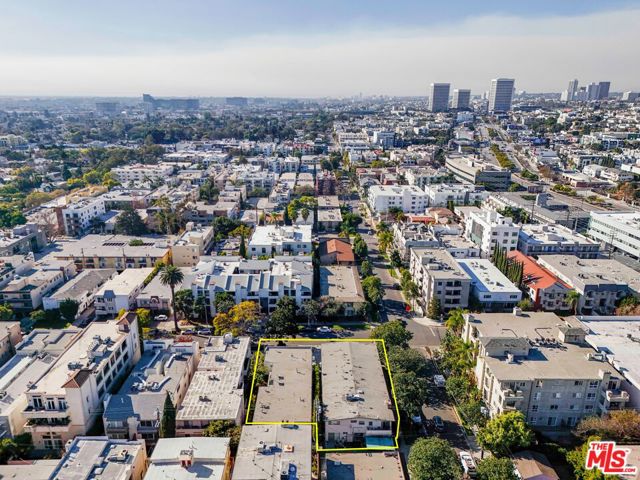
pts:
[336, 251]
[423, 176]
[616, 231]
[274, 452]
[490, 287]
[356, 466]
[548, 239]
[438, 275]
[280, 240]
[67, 400]
[601, 282]
[341, 284]
[408, 236]
[77, 217]
[445, 194]
[191, 458]
[31, 469]
[356, 403]
[121, 291]
[490, 230]
[546, 291]
[156, 296]
[329, 220]
[290, 377]
[478, 172]
[500, 95]
[328, 202]
[81, 289]
[114, 251]
[261, 281]
[136, 410]
[439, 97]
[326, 183]
[216, 391]
[33, 358]
[539, 364]
[10, 336]
[192, 244]
[104, 458]
[408, 198]
[461, 99]
[25, 293]
[142, 173]
[22, 239]
[202, 213]
[531, 465]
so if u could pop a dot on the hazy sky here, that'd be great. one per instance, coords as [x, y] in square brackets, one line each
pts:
[312, 48]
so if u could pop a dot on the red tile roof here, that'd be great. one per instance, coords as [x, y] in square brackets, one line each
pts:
[342, 249]
[533, 275]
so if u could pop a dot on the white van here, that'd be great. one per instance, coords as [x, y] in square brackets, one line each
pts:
[468, 464]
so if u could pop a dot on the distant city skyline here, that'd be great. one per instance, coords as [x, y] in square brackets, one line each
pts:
[293, 49]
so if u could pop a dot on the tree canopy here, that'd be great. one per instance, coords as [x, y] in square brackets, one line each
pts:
[433, 459]
[505, 434]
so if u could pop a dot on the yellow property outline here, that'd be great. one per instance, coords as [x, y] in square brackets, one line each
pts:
[314, 425]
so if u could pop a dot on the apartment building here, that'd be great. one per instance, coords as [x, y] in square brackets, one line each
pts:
[81, 288]
[192, 244]
[216, 391]
[408, 198]
[191, 458]
[77, 217]
[408, 236]
[141, 173]
[549, 239]
[10, 336]
[104, 458]
[539, 364]
[490, 287]
[22, 239]
[341, 284]
[600, 282]
[25, 293]
[617, 231]
[280, 240]
[33, 358]
[356, 403]
[441, 195]
[67, 400]
[274, 452]
[478, 172]
[114, 251]
[438, 275]
[136, 410]
[261, 281]
[326, 183]
[490, 230]
[121, 291]
[546, 291]
[423, 176]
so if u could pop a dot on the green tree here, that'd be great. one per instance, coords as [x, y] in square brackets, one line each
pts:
[69, 309]
[172, 276]
[372, 287]
[403, 359]
[223, 429]
[434, 309]
[366, 270]
[130, 223]
[395, 259]
[168, 421]
[385, 240]
[577, 459]
[505, 433]
[243, 248]
[621, 426]
[573, 299]
[38, 316]
[360, 248]
[185, 303]
[312, 310]
[455, 320]
[411, 391]
[433, 459]
[6, 313]
[282, 322]
[393, 333]
[224, 302]
[493, 468]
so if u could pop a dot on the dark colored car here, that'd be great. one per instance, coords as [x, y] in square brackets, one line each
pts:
[438, 424]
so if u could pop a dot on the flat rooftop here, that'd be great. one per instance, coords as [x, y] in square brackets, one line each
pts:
[364, 466]
[86, 282]
[553, 234]
[208, 457]
[485, 276]
[353, 383]
[127, 281]
[287, 397]
[341, 283]
[265, 451]
[111, 246]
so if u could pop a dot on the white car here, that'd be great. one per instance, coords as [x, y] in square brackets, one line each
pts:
[161, 318]
[324, 330]
[439, 380]
[468, 464]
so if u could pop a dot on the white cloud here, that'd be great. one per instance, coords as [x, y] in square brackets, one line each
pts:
[542, 54]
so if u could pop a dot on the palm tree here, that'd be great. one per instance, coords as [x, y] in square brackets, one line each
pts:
[172, 276]
[573, 298]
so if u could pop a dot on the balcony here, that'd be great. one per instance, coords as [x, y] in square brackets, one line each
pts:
[35, 413]
[513, 394]
[44, 425]
[617, 396]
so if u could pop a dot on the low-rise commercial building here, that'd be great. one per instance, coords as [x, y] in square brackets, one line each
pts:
[478, 172]
[490, 287]
[216, 391]
[617, 231]
[539, 364]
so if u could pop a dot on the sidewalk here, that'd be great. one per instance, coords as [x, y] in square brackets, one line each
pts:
[427, 322]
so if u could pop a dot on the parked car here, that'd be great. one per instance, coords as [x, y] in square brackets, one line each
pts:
[468, 464]
[204, 331]
[189, 331]
[439, 380]
[438, 424]
[396, 286]
[324, 330]
[161, 318]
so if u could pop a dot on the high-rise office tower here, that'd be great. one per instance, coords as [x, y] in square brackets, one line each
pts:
[603, 90]
[593, 91]
[501, 94]
[461, 99]
[572, 90]
[439, 97]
